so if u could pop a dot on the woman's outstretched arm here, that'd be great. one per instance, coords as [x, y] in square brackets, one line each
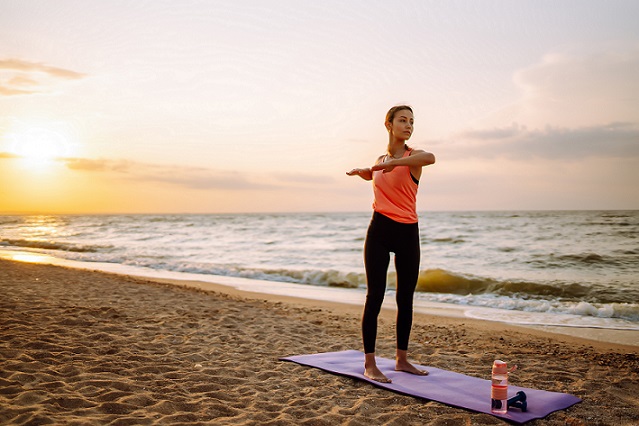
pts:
[365, 174]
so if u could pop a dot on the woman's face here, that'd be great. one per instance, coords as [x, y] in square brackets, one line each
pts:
[402, 125]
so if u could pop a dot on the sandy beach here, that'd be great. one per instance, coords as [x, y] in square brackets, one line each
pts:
[86, 347]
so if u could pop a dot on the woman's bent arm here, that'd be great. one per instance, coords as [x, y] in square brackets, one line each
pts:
[418, 158]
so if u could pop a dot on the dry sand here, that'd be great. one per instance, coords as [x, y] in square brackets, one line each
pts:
[83, 347]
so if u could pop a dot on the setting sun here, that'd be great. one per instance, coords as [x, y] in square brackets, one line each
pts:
[39, 144]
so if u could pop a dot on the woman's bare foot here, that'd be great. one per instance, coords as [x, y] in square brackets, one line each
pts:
[371, 371]
[409, 368]
[402, 364]
[374, 373]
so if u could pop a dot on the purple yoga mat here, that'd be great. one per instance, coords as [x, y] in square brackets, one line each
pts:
[442, 386]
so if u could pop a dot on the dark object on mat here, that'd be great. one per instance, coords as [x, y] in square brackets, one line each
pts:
[519, 401]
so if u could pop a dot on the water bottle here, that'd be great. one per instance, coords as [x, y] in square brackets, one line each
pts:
[499, 388]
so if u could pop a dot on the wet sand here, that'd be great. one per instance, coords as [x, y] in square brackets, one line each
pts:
[84, 347]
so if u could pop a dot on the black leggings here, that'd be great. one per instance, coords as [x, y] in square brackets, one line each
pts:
[385, 236]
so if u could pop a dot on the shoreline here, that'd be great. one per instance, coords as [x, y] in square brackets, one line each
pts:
[326, 296]
[82, 346]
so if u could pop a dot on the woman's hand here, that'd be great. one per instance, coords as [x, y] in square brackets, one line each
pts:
[365, 174]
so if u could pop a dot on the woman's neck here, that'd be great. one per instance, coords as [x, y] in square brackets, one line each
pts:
[396, 148]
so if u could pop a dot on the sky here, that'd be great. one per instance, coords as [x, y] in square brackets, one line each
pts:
[262, 106]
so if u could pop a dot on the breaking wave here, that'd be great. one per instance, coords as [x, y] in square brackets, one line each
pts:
[50, 245]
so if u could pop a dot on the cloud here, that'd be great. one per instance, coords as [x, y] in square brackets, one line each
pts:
[189, 177]
[11, 91]
[21, 80]
[574, 89]
[85, 164]
[573, 106]
[8, 155]
[192, 177]
[593, 76]
[16, 74]
[19, 65]
[614, 140]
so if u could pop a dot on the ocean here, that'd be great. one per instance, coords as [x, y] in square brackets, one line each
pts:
[571, 268]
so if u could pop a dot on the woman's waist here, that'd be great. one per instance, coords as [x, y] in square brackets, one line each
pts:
[384, 218]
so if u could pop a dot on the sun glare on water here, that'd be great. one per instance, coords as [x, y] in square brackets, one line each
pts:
[30, 258]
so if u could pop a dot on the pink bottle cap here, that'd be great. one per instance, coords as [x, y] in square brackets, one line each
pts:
[500, 367]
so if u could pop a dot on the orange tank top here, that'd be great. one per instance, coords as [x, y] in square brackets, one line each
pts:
[396, 194]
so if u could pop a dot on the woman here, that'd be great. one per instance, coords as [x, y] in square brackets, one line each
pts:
[393, 228]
